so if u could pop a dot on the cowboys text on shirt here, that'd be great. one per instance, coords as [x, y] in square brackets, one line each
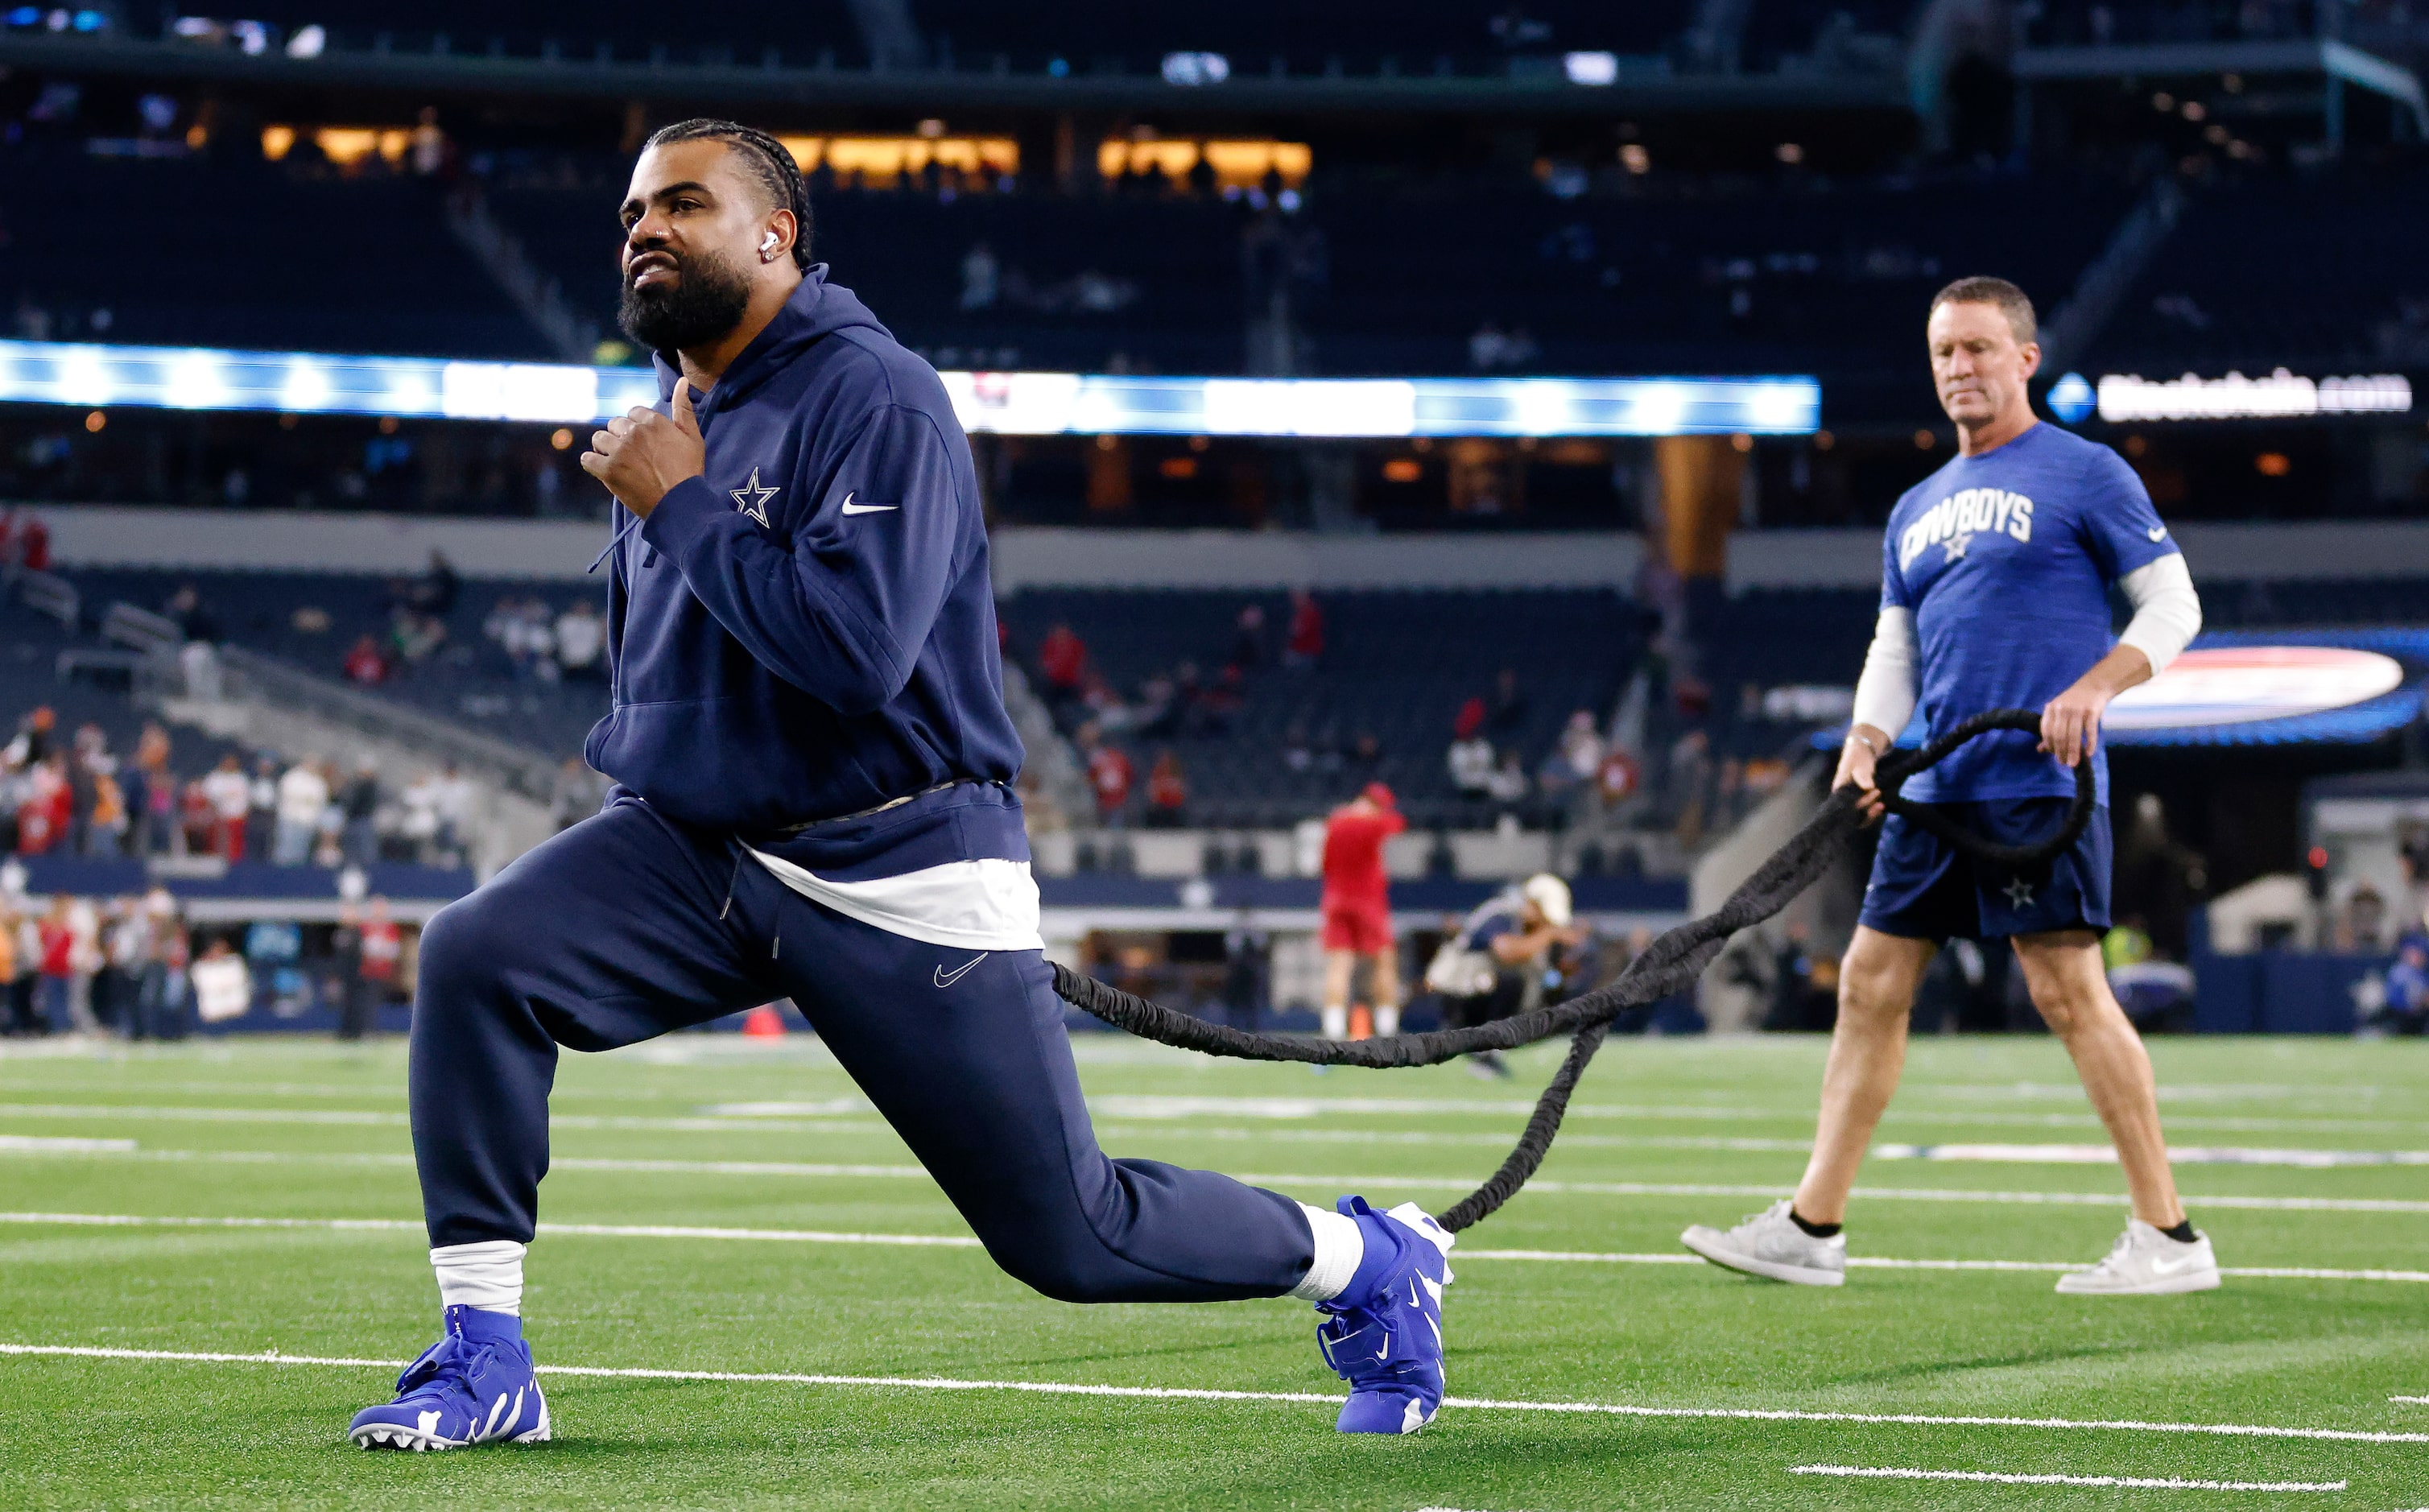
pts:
[1967, 513]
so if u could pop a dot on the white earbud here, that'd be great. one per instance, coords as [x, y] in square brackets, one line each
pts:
[767, 243]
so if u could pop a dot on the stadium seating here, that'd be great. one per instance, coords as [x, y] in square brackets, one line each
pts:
[1101, 34]
[2307, 273]
[1397, 666]
[216, 251]
[1825, 278]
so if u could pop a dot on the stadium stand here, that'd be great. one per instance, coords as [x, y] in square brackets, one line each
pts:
[2320, 273]
[362, 263]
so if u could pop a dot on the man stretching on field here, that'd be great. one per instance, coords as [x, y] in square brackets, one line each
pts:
[1996, 569]
[813, 801]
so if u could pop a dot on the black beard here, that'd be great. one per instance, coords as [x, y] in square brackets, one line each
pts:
[706, 301]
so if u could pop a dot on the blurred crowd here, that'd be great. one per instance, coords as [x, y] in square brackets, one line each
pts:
[73, 795]
[134, 969]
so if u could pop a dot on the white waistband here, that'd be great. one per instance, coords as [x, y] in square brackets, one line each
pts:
[982, 904]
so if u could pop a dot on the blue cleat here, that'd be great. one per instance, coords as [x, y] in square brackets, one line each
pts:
[473, 1387]
[1383, 1335]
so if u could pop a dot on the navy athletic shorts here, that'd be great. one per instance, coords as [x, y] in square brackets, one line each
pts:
[1923, 887]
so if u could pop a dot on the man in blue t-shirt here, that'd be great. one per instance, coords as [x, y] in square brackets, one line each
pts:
[1994, 594]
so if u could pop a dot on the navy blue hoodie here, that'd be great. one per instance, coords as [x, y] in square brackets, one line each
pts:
[808, 630]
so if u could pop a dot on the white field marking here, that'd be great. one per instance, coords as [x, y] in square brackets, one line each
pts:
[42, 1144]
[364, 1118]
[936, 1383]
[614, 1231]
[1340, 1183]
[2101, 1155]
[2169, 1482]
[650, 1231]
[769, 1117]
[2416, 1401]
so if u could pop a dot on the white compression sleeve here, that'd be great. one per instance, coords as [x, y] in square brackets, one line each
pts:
[1339, 1247]
[1885, 693]
[488, 1275]
[2167, 611]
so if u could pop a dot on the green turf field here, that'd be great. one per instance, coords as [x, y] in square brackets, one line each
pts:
[1576, 1312]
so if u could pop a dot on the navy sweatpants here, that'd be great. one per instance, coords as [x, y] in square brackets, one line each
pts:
[610, 934]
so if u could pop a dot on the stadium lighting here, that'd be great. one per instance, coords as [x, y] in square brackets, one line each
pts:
[1594, 70]
[1015, 404]
[1191, 69]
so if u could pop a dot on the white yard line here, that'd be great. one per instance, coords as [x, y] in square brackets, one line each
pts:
[2102, 1155]
[2169, 1482]
[2423, 1401]
[934, 1383]
[1341, 1183]
[45, 1144]
[791, 1236]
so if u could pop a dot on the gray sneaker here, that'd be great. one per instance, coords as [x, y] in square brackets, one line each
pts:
[1771, 1245]
[2146, 1263]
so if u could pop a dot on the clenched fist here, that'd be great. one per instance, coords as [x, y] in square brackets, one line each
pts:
[642, 454]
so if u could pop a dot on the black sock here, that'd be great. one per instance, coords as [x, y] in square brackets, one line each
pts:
[1819, 1231]
[2183, 1233]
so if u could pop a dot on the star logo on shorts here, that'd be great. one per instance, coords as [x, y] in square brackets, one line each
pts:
[1955, 545]
[753, 500]
[2020, 895]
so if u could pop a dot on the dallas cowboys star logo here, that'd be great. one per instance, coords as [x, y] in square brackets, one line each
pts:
[753, 500]
[1955, 545]
[2020, 895]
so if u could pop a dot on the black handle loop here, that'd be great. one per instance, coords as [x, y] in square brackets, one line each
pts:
[1671, 963]
[1892, 772]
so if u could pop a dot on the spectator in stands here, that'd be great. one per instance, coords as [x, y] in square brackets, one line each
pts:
[357, 812]
[160, 970]
[418, 831]
[106, 823]
[25, 543]
[1167, 791]
[223, 984]
[2362, 925]
[1471, 756]
[413, 637]
[365, 664]
[1110, 774]
[1304, 648]
[45, 806]
[580, 637]
[302, 793]
[1063, 661]
[32, 741]
[230, 796]
[980, 277]
[452, 796]
[15, 1020]
[261, 799]
[1367, 756]
[1580, 747]
[435, 592]
[198, 821]
[56, 963]
[152, 792]
[194, 621]
[383, 948]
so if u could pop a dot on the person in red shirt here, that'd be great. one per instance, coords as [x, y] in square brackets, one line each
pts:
[1358, 909]
[1110, 773]
[56, 933]
[1304, 647]
[1167, 791]
[1063, 657]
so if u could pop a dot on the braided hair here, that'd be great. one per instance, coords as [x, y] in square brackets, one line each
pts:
[764, 157]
